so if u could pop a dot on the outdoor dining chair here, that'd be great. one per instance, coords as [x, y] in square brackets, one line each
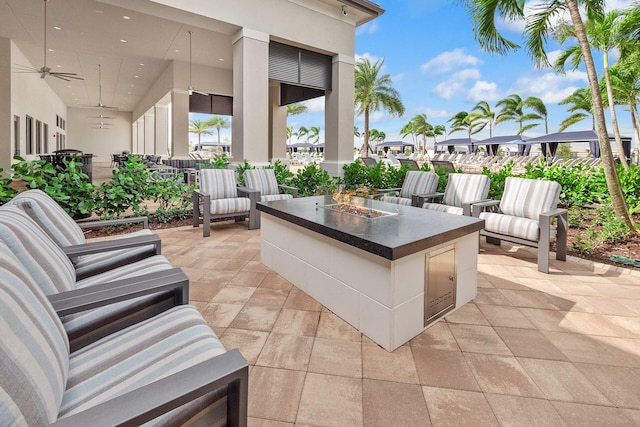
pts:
[415, 183]
[220, 197]
[525, 216]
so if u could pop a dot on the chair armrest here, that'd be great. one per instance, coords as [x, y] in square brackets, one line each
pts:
[106, 222]
[434, 197]
[112, 245]
[91, 297]
[479, 207]
[159, 397]
[252, 194]
[294, 190]
[466, 207]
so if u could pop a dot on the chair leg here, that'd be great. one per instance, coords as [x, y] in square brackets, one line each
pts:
[493, 240]
[543, 244]
[561, 238]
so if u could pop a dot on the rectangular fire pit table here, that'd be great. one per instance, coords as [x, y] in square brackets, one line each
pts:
[389, 276]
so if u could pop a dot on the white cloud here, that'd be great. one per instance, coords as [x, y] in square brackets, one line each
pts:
[315, 105]
[397, 77]
[484, 91]
[433, 114]
[549, 87]
[376, 116]
[447, 61]
[455, 84]
[370, 27]
[372, 59]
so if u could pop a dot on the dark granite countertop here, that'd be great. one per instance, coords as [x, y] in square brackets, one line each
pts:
[407, 231]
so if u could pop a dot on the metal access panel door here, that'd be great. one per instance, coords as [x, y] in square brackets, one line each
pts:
[439, 283]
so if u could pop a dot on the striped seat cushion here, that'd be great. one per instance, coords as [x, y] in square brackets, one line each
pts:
[274, 197]
[39, 255]
[50, 217]
[262, 180]
[396, 200]
[230, 206]
[465, 188]
[524, 228]
[33, 350]
[150, 350]
[218, 183]
[529, 198]
[89, 265]
[417, 182]
[443, 208]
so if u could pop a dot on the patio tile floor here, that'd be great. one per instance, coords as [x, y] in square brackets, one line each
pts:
[545, 349]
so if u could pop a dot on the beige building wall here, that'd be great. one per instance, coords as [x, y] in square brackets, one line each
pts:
[87, 136]
[6, 125]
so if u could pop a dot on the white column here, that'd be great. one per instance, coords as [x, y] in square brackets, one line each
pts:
[277, 125]
[6, 124]
[179, 125]
[139, 147]
[250, 97]
[161, 129]
[149, 133]
[338, 149]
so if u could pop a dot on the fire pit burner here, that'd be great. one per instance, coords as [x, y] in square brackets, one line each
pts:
[356, 210]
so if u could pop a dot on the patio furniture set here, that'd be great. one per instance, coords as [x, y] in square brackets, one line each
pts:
[101, 333]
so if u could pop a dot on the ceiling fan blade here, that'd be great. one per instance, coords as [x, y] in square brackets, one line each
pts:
[67, 75]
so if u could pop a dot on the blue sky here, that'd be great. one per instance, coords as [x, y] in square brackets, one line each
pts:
[439, 69]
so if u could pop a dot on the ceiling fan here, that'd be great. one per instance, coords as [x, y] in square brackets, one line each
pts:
[100, 104]
[45, 71]
[191, 90]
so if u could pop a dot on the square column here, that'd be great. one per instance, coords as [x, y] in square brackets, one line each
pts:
[278, 125]
[179, 125]
[250, 125]
[339, 119]
[161, 129]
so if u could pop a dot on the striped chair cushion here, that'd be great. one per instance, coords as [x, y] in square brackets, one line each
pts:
[262, 180]
[50, 217]
[397, 200]
[464, 188]
[218, 183]
[417, 182]
[443, 208]
[39, 255]
[524, 228]
[89, 265]
[528, 198]
[150, 350]
[34, 350]
[274, 197]
[230, 206]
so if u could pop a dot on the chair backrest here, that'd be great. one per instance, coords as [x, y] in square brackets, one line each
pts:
[464, 188]
[40, 256]
[368, 161]
[263, 180]
[50, 216]
[528, 198]
[34, 349]
[419, 182]
[218, 183]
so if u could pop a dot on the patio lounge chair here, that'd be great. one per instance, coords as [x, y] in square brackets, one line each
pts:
[264, 182]
[368, 162]
[415, 183]
[412, 164]
[525, 215]
[170, 369]
[54, 272]
[463, 190]
[96, 257]
[220, 197]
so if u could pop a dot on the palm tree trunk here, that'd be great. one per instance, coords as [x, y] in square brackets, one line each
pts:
[366, 132]
[614, 118]
[613, 181]
[636, 126]
[218, 148]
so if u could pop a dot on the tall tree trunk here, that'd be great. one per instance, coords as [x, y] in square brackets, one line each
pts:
[614, 117]
[366, 132]
[636, 126]
[613, 181]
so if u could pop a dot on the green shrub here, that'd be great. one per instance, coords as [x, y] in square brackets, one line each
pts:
[173, 197]
[240, 172]
[313, 180]
[221, 162]
[65, 183]
[6, 190]
[281, 171]
[129, 188]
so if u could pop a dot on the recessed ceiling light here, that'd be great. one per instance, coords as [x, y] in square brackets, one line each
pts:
[128, 93]
[68, 85]
[177, 50]
[123, 40]
[50, 50]
[137, 77]
[57, 28]
[142, 65]
[132, 85]
[220, 59]
[126, 17]
[98, 11]
[58, 66]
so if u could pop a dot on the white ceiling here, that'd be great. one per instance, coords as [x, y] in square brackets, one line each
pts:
[91, 33]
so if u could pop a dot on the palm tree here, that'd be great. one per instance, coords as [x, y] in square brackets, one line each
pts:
[536, 32]
[604, 35]
[625, 84]
[418, 127]
[513, 110]
[314, 134]
[295, 109]
[218, 122]
[463, 121]
[302, 131]
[437, 130]
[373, 92]
[290, 134]
[539, 111]
[483, 115]
[580, 100]
[199, 128]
